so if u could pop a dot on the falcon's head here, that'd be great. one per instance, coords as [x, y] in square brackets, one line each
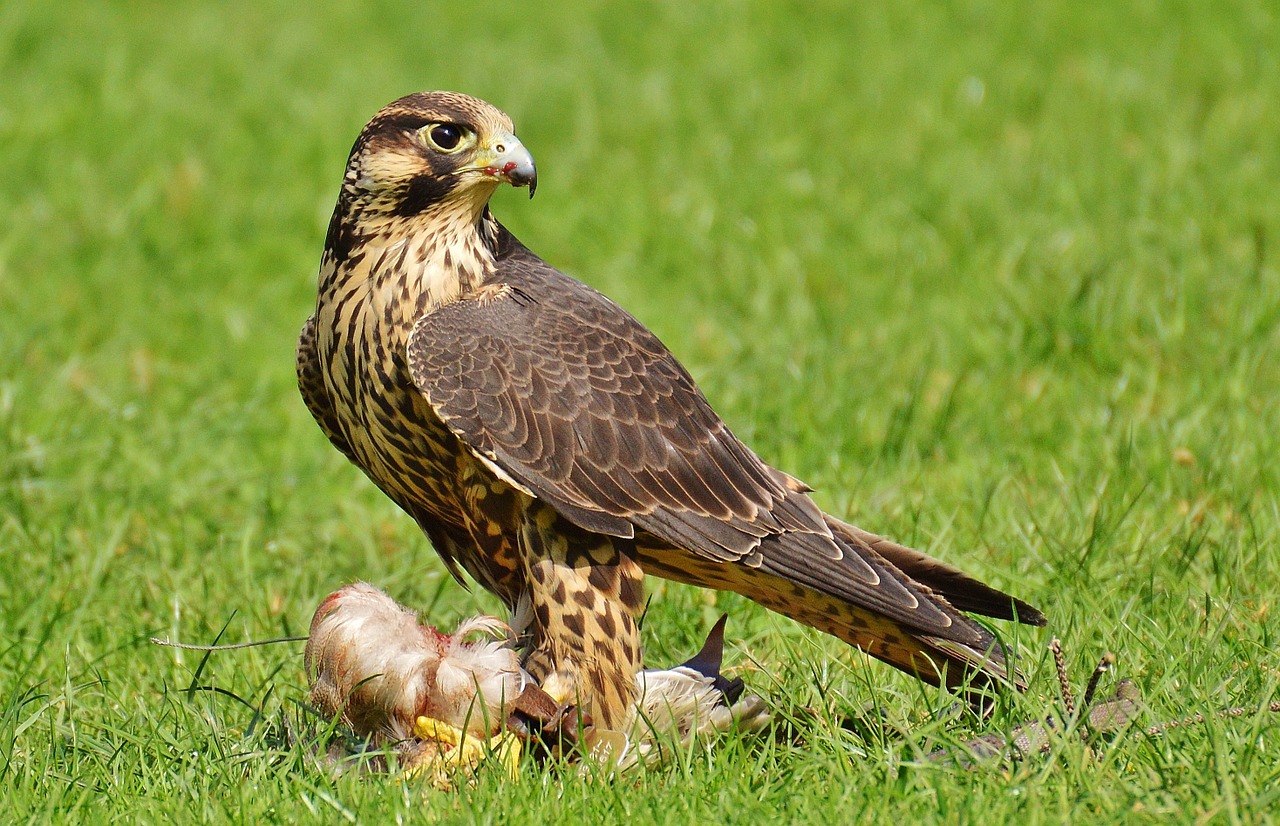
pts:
[431, 151]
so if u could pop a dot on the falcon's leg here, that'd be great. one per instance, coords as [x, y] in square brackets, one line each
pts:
[586, 597]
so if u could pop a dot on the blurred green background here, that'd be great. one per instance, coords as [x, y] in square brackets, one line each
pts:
[999, 280]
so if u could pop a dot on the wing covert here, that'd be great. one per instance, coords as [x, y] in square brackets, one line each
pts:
[577, 401]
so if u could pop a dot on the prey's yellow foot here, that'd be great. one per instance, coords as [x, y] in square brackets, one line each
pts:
[461, 751]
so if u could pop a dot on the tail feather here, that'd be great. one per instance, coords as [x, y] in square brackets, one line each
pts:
[971, 668]
[910, 615]
[961, 590]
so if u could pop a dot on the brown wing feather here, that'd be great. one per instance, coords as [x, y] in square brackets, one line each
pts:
[574, 399]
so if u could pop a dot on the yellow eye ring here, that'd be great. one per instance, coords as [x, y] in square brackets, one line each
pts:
[447, 137]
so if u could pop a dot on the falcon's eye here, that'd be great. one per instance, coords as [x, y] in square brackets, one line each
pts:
[447, 137]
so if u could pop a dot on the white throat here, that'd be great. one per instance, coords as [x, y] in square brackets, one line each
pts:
[433, 259]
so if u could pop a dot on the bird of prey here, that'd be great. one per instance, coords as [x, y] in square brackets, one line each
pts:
[552, 447]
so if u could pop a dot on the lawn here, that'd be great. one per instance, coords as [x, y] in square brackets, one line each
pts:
[999, 282]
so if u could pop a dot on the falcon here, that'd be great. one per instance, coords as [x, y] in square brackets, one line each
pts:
[550, 445]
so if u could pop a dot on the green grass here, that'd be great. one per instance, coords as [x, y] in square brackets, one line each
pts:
[1000, 283]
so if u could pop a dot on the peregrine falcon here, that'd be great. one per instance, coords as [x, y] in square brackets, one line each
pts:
[552, 447]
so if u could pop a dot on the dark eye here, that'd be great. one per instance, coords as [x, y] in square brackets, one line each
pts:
[446, 136]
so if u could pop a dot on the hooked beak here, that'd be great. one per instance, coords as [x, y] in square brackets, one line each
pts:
[511, 162]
